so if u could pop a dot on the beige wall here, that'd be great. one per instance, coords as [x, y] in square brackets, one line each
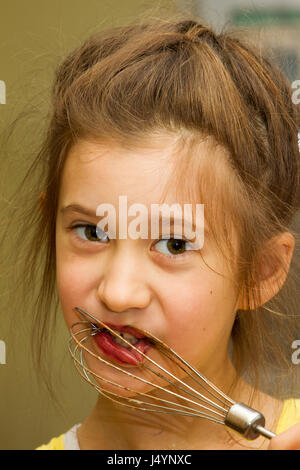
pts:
[33, 36]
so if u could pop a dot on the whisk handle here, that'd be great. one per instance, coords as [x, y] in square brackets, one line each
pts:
[265, 432]
[247, 421]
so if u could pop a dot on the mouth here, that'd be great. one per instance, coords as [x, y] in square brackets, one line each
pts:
[127, 348]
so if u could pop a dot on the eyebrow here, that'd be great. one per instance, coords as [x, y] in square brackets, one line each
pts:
[85, 211]
[79, 209]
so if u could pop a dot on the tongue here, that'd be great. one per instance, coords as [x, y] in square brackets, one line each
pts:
[116, 351]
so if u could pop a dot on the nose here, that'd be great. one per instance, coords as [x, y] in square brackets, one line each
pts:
[122, 287]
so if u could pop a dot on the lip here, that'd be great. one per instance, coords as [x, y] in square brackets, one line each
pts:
[100, 323]
[109, 347]
[127, 329]
[132, 357]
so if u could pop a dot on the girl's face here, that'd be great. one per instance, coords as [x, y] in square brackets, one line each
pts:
[139, 282]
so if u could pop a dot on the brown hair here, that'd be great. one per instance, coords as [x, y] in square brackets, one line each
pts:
[179, 77]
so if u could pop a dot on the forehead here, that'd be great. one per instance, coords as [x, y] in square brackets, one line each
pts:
[94, 171]
[161, 169]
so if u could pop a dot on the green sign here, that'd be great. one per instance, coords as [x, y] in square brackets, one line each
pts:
[262, 17]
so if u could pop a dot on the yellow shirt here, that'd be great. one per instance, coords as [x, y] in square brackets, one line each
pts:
[56, 443]
[289, 416]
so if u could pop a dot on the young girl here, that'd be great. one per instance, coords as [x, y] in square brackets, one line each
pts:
[173, 112]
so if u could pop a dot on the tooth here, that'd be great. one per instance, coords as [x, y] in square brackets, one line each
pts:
[132, 339]
[121, 342]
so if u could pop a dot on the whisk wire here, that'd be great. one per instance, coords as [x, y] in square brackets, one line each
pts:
[197, 381]
[162, 347]
[85, 369]
[238, 416]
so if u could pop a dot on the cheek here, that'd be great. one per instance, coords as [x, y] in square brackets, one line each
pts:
[191, 299]
[200, 314]
[73, 283]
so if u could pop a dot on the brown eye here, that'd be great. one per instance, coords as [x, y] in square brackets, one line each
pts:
[175, 246]
[92, 233]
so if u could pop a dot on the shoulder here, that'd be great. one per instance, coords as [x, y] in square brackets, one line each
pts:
[290, 414]
[56, 443]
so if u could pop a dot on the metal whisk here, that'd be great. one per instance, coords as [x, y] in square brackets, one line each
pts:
[185, 401]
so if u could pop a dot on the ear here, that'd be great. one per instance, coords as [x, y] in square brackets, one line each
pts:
[272, 275]
[42, 200]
